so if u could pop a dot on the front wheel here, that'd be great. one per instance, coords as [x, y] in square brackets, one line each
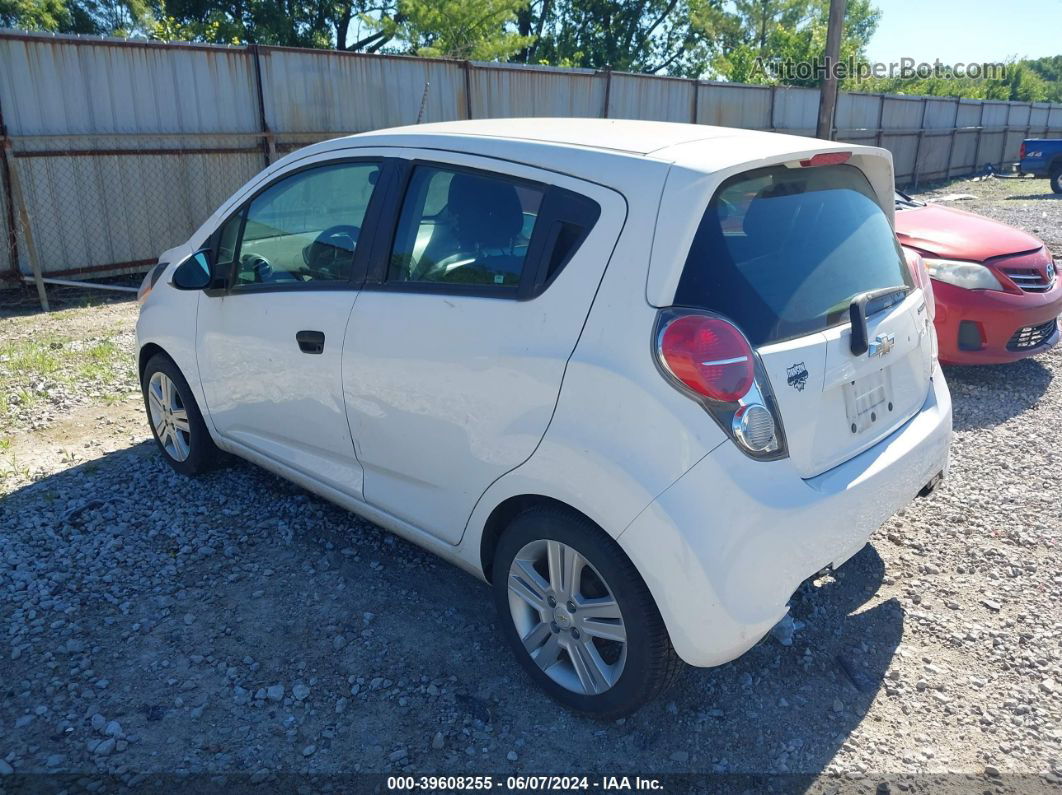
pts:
[1056, 181]
[175, 419]
[578, 616]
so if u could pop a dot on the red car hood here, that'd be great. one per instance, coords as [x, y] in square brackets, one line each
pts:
[956, 234]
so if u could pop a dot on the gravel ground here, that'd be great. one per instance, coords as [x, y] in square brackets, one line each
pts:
[237, 624]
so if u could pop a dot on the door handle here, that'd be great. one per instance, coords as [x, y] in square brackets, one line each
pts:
[310, 341]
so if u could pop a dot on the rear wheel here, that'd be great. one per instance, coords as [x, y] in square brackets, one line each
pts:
[1056, 181]
[578, 616]
[175, 419]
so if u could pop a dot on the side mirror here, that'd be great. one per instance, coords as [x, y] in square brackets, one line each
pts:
[195, 273]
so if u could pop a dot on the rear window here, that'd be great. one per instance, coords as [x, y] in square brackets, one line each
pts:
[782, 252]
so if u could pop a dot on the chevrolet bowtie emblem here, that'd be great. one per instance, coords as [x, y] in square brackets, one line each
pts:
[881, 345]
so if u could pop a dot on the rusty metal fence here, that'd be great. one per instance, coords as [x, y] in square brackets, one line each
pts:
[115, 150]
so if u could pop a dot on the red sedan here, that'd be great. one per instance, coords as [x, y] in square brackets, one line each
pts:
[997, 294]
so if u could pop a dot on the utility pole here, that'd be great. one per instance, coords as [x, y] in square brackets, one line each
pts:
[828, 87]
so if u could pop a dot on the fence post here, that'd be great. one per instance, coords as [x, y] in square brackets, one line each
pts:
[918, 141]
[268, 147]
[696, 97]
[9, 201]
[608, 90]
[1003, 141]
[468, 89]
[881, 116]
[951, 141]
[977, 142]
[770, 110]
[19, 201]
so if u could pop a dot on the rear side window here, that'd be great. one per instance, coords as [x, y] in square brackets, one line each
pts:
[458, 227]
[782, 252]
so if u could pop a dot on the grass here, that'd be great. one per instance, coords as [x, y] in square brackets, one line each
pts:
[51, 363]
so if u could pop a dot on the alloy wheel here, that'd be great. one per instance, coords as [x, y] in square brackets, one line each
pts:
[567, 617]
[169, 417]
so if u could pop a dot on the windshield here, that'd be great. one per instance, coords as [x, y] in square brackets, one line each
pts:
[782, 251]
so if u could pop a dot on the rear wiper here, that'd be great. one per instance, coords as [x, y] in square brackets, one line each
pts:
[869, 303]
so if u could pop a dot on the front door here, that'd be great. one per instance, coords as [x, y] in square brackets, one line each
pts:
[270, 347]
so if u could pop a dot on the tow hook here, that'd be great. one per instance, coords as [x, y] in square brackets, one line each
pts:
[931, 486]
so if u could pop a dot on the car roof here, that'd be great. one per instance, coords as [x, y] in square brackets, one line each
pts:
[632, 136]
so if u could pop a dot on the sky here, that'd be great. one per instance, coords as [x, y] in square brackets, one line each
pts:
[963, 31]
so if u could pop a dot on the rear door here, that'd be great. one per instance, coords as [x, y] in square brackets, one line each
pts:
[459, 339]
[783, 252]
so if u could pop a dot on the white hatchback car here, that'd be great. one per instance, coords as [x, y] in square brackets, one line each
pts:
[644, 378]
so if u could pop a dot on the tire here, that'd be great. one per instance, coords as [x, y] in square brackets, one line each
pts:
[186, 446]
[1056, 181]
[620, 677]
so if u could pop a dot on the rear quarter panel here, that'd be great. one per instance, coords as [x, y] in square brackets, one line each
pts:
[620, 434]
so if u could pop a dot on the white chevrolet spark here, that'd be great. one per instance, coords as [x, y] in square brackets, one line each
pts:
[644, 378]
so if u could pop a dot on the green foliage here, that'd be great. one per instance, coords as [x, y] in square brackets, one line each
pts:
[655, 36]
[102, 17]
[1021, 81]
[759, 32]
[476, 29]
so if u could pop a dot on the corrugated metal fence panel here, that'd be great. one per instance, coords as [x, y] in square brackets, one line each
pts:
[1054, 121]
[1038, 118]
[993, 119]
[904, 115]
[796, 110]
[935, 148]
[123, 209]
[734, 106]
[964, 152]
[57, 86]
[856, 118]
[90, 209]
[321, 91]
[535, 91]
[1018, 120]
[940, 113]
[654, 98]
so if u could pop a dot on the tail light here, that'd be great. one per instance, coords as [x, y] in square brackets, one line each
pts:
[709, 355]
[1021, 151]
[917, 266]
[709, 359]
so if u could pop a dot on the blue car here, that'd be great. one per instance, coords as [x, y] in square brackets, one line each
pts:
[1042, 157]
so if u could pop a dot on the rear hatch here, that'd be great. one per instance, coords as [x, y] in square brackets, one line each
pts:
[783, 252]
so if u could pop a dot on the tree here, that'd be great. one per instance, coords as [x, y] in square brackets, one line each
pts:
[761, 34]
[646, 36]
[481, 30]
[101, 17]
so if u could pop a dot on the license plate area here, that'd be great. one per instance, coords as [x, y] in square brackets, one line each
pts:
[868, 401]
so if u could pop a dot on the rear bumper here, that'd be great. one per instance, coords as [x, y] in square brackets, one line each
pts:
[1036, 168]
[997, 316]
[724, 548]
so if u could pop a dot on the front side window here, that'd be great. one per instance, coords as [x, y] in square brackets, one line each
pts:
[458, 227]
[304, 229]
[784, 251]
